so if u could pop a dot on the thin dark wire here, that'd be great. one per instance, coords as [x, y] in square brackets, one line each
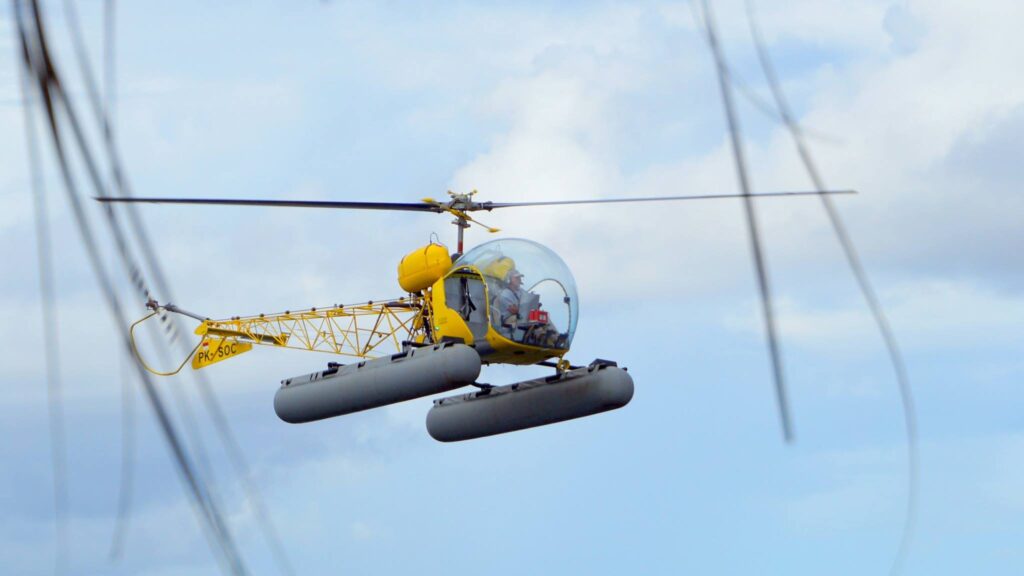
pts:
[191, 423]
[82, 58]
[210, 401]
[51, 344]
[765, 108]
[100, 107]
[128, 443]
[110, 66]
[23, 101]
[884, 328]
[753, 98]
[37, 59]
[241, 465]
[120, 185]
[128, 431]
[192, 431]
[760, 266]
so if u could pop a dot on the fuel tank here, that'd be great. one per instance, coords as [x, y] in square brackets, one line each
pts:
[600, 387]
[378, 382]
[422, 267]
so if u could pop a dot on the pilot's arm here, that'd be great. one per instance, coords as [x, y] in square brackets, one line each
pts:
[508, 304]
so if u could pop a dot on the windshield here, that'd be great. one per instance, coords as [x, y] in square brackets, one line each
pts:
[532, 292]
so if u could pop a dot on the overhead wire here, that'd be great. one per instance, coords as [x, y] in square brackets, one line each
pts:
[171, 326]
[753, 98]
[128, 430]
[119, 183]
[766, 109]
[127, 477]
[238, 460]
[134, 270]
[136, 275]
[863, 281]
[51, 344]
[760, 266]
[193, 432]
[37, 59]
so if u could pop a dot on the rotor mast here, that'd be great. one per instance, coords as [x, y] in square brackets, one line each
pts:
[461, 224]
[459, 206]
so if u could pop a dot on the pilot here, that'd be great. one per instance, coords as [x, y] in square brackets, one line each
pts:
[508, 308]
[508, 301]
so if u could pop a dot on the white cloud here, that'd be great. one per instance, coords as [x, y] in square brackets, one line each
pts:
[926, 315]
[900, 118]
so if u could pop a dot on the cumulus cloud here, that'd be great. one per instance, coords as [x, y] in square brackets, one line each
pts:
[910, 122]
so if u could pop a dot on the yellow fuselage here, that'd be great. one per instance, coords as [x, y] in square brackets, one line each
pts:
[453, 316]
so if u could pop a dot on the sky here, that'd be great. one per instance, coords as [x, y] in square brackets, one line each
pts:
[913, 104]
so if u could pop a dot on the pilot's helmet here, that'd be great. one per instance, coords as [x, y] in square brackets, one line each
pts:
[500, 268]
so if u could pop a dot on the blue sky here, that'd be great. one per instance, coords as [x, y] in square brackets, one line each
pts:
[915, 105]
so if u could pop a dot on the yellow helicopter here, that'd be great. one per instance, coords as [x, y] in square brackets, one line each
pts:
[507, 301]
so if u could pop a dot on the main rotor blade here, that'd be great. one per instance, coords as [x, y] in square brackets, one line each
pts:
[405, 206]
[490, 205]
[439, 207]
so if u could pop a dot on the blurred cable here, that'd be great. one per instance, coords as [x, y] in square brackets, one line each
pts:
[241, 465]
[128, 430]
[37, 60]
[127, 483]
[137, 277]
[51, 344]
[753, 98]
[109, 64]
[764, 287]
[853, 258]
[171, 326]
[766, 109]
[135, 272]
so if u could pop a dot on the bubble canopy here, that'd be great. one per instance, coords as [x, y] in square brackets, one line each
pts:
[546, 282]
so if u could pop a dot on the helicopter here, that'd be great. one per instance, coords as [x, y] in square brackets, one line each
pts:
[506, 301]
